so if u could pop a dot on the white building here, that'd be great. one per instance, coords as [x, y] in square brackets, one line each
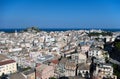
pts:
[79, 57]
[83, 70]
[95, 53]
[15, 49]
[104, 70]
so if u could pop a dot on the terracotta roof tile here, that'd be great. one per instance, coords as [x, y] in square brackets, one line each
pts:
[6, 62]
[55, 61]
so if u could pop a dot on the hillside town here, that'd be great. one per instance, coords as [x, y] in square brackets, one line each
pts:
[72, 54]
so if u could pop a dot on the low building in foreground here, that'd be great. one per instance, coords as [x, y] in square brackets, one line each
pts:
[44, 71]
[7, 66]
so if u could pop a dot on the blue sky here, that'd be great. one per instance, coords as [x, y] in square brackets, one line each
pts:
[60, 13]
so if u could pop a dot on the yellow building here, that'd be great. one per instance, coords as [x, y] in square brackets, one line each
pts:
[7, 66]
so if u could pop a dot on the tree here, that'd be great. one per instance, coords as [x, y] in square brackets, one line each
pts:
[52, 78]
[87, 75]
[117, 45]
[116, 70]
[3, 76]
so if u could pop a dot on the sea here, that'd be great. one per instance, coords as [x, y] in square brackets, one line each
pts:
[58, 29]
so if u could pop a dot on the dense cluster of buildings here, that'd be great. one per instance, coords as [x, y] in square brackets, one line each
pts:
[42, 55]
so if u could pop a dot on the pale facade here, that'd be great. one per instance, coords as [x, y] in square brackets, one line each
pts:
[85, 48]
[105, 70]
[70, 69]
[79, 58]
[8, 67]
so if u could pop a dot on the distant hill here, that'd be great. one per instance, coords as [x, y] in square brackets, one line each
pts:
[32, 29]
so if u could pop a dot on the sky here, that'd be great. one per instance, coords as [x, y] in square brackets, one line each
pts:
[60, 13]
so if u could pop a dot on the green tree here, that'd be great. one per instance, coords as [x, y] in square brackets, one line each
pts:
[52, 78]
[116, 70]
[117, 45]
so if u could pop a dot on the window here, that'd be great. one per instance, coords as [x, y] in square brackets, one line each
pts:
[96, 54]
[83, 72]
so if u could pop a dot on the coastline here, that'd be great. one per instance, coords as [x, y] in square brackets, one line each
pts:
[12, 30]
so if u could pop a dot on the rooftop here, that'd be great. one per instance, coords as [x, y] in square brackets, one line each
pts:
[83, 66]
[28, 72]
[3, 57]
[17, 75]
[6, 62]
[44, 58]
[41, 67]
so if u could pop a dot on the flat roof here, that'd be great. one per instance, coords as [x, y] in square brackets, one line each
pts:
[45, 58]
[3, 57]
